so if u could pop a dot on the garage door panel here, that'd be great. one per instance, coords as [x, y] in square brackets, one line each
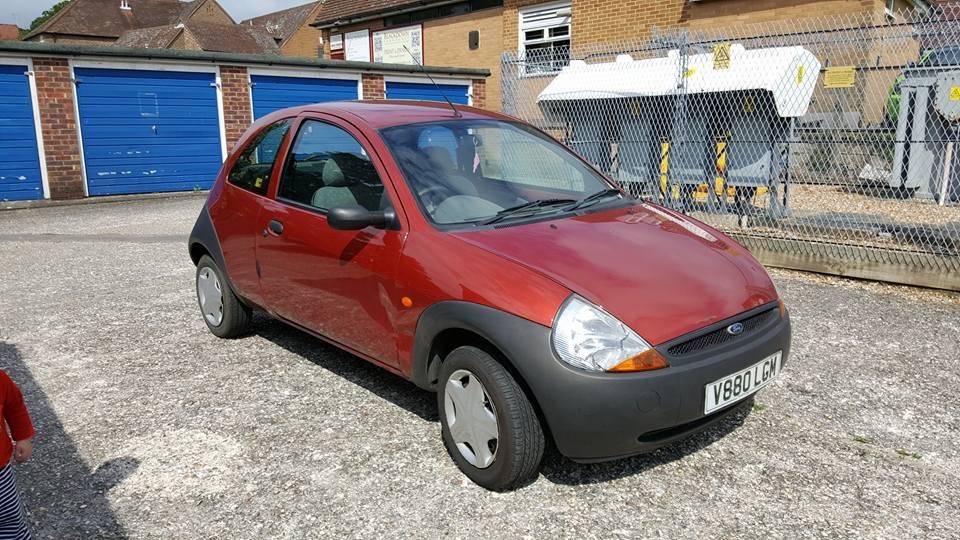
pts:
[272, 93]
[210, 122]
[20, 177]
[138, 77]
[145, 133]
[126, 187]
[107, 156]
[148, 131]
[146, 179]
[167, 166]
[457, 93]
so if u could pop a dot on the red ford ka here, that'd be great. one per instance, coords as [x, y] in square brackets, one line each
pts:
[481, 259]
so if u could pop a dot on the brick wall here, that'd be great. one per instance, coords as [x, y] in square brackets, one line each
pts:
[211, 12]
[237, 115]
[373, 87]
[446, 43]
[606, 21]
[304, 42]
[59, 127]
[480, 95]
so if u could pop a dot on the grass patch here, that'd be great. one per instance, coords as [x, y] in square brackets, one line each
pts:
[906, 453]
[757, 407]
[863, 440]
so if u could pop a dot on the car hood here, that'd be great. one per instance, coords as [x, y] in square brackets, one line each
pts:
[659, 272]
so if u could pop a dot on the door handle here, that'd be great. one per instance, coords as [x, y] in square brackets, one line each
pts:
[274, 227]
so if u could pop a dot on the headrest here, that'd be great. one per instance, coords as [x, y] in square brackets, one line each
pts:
[332, 175]
[439, 157]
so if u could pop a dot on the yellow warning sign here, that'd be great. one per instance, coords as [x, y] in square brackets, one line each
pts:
[955, 93]
[839, 77]
[721, 56]
[799, 74]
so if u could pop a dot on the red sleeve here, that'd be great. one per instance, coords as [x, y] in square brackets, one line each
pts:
[15, 410]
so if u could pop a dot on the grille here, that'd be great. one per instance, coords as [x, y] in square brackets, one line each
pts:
[721, 336]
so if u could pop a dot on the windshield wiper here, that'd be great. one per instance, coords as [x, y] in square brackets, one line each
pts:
[595, 197]
[514, 210]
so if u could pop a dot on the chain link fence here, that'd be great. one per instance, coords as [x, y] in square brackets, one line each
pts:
[826, 144]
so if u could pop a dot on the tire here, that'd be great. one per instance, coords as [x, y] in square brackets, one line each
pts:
[234, 320]
[518, 450]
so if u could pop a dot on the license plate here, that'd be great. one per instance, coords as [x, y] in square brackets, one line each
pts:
[741, 384]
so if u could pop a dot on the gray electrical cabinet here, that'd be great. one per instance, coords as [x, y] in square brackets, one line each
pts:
[925, 160]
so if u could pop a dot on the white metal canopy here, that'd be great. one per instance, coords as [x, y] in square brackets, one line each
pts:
[789, 73]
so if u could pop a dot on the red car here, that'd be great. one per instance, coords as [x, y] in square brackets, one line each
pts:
[479, 258]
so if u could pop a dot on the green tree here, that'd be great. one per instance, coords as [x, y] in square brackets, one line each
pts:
[47, 14]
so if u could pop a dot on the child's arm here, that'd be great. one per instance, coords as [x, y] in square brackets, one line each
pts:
[17, 417]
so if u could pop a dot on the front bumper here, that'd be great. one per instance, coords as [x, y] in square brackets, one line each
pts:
[601, 416]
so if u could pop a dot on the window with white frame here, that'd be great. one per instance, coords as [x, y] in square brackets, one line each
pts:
[545, 38]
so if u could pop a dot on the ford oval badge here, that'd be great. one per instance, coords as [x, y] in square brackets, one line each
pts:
[735, 329]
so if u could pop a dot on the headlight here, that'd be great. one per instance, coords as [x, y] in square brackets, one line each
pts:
[587, 337]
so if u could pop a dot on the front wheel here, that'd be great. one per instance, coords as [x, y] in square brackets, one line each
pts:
[224, 313]
[489, 427]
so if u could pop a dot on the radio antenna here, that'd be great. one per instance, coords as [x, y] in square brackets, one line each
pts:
[445, 98]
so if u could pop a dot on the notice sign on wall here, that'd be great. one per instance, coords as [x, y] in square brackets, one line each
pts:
[357, 46]
[839, 77]
[388, 45]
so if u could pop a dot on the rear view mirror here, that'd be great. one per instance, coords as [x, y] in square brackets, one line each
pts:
[354, 218]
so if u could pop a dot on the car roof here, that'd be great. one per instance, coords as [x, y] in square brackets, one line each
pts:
[383, 113]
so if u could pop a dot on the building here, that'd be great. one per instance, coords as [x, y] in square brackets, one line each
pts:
[103, 22]
[291, 29]
[201, 36]
[80, 120]
[474, 33]
[202, 25]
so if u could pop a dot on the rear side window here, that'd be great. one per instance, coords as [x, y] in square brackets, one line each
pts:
[252, 169]
[327, 167]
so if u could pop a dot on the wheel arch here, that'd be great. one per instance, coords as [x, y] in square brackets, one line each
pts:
[204, 241]
[447, 325]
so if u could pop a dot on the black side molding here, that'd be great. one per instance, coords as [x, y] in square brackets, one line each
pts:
[205, 235]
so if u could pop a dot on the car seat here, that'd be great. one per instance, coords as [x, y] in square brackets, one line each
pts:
[348, 181]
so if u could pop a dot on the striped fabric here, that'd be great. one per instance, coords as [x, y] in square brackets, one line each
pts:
[12, 524]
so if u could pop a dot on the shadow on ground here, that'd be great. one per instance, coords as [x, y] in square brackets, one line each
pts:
[404, 394]
[381, 382]
[62, 496]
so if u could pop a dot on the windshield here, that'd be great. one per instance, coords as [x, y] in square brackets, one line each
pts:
[482, 171]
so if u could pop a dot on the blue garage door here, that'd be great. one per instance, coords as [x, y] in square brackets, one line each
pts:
[272, 93]
[19, 158]
[456, 93]
[148, 131]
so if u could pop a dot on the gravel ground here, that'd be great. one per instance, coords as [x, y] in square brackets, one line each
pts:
[151, 427]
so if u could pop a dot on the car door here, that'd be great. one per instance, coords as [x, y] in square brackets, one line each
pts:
[339, 284]
[236, 212]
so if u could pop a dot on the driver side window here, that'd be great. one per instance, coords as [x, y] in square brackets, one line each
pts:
[253, 167]
[327, 168]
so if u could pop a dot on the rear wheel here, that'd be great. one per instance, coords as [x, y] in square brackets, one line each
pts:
[222, 311]
[489, 427]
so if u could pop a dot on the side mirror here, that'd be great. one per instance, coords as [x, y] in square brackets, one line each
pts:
[354, 218]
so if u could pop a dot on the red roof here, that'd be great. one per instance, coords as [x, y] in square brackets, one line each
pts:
[384, 113]
[334, 10]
